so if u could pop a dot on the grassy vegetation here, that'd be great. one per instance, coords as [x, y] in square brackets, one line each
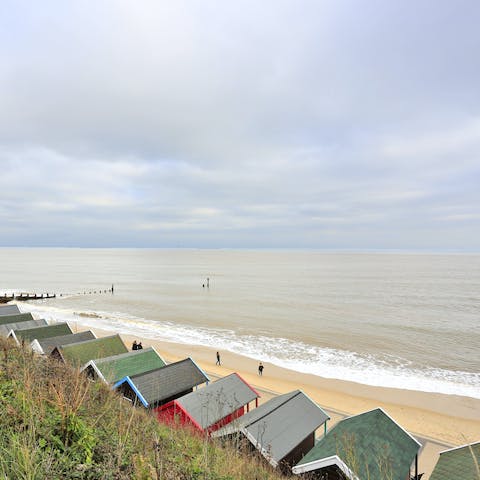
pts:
[56, 424]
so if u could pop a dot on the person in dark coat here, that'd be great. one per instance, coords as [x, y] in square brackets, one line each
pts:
[134, 346]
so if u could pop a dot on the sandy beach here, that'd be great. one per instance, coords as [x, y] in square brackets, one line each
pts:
[439, 421]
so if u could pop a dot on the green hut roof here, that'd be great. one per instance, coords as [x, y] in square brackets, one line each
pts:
[461, 462]
[46, 345]
[111, 369]
[39, 333]
[369, 445]
[6, 328]
[16, 318]
[83, 352]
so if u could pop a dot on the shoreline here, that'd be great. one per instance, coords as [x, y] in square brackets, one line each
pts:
[426, 414]
[371, 365]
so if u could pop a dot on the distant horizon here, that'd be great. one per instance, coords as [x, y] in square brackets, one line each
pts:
[259, 249]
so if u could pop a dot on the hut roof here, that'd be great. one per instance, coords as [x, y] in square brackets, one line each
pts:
[16, 318]
[9, 310]
[279, 425]
[369, 445]
[46, 345]
[82, 352]
[460, 462]
[38, 333]
[221, 398]
[163, 383]
[8, 327]
[112, 369]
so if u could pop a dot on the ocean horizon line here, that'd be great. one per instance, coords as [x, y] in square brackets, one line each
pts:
[371, 251]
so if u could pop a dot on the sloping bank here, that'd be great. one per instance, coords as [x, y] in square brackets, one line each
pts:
[54, 423]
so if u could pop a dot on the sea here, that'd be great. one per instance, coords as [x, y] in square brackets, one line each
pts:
[401, 320]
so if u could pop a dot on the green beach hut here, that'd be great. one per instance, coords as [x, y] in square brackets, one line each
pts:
[30, 334]
[46, 345]
[112, 369]
[8, 327]
[79, 354]
[16, 318]
[370, 445]
[458, 463]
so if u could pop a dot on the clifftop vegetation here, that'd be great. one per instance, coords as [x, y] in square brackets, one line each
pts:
[56, 424]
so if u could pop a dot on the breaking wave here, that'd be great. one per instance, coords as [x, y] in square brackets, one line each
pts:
[386, 371]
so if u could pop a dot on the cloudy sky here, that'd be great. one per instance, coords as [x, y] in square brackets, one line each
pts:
[305, 124]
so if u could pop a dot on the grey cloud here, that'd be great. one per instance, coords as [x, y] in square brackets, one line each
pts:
[240, 124]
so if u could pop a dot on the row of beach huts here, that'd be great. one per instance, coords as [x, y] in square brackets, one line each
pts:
[370, 445]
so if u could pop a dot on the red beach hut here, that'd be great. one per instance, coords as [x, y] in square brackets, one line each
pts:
[211, 407]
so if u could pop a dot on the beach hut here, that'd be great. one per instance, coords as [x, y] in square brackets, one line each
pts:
[282, 429]
[16, 318]
[79, 354]
[212, 407]
[46, 345]
[361, 447]
[30, 334]
[8, 327]
[458, 463]
[112, 369]
[9, 310]
[162, 385]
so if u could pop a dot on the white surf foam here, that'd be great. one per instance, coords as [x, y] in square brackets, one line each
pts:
[298, 356]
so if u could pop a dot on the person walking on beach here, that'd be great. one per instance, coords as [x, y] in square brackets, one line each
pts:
[260, 369]
[218, 359]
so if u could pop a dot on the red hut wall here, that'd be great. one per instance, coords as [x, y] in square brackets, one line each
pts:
[225, 420]
[172, 413]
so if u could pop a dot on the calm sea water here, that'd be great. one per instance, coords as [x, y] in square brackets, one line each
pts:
[399, 320]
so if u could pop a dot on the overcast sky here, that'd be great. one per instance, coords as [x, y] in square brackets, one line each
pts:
[320, 124]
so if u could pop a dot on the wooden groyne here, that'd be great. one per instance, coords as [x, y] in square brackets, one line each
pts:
[24, 296]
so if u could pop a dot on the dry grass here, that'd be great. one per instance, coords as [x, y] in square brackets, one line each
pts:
[54, 423]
